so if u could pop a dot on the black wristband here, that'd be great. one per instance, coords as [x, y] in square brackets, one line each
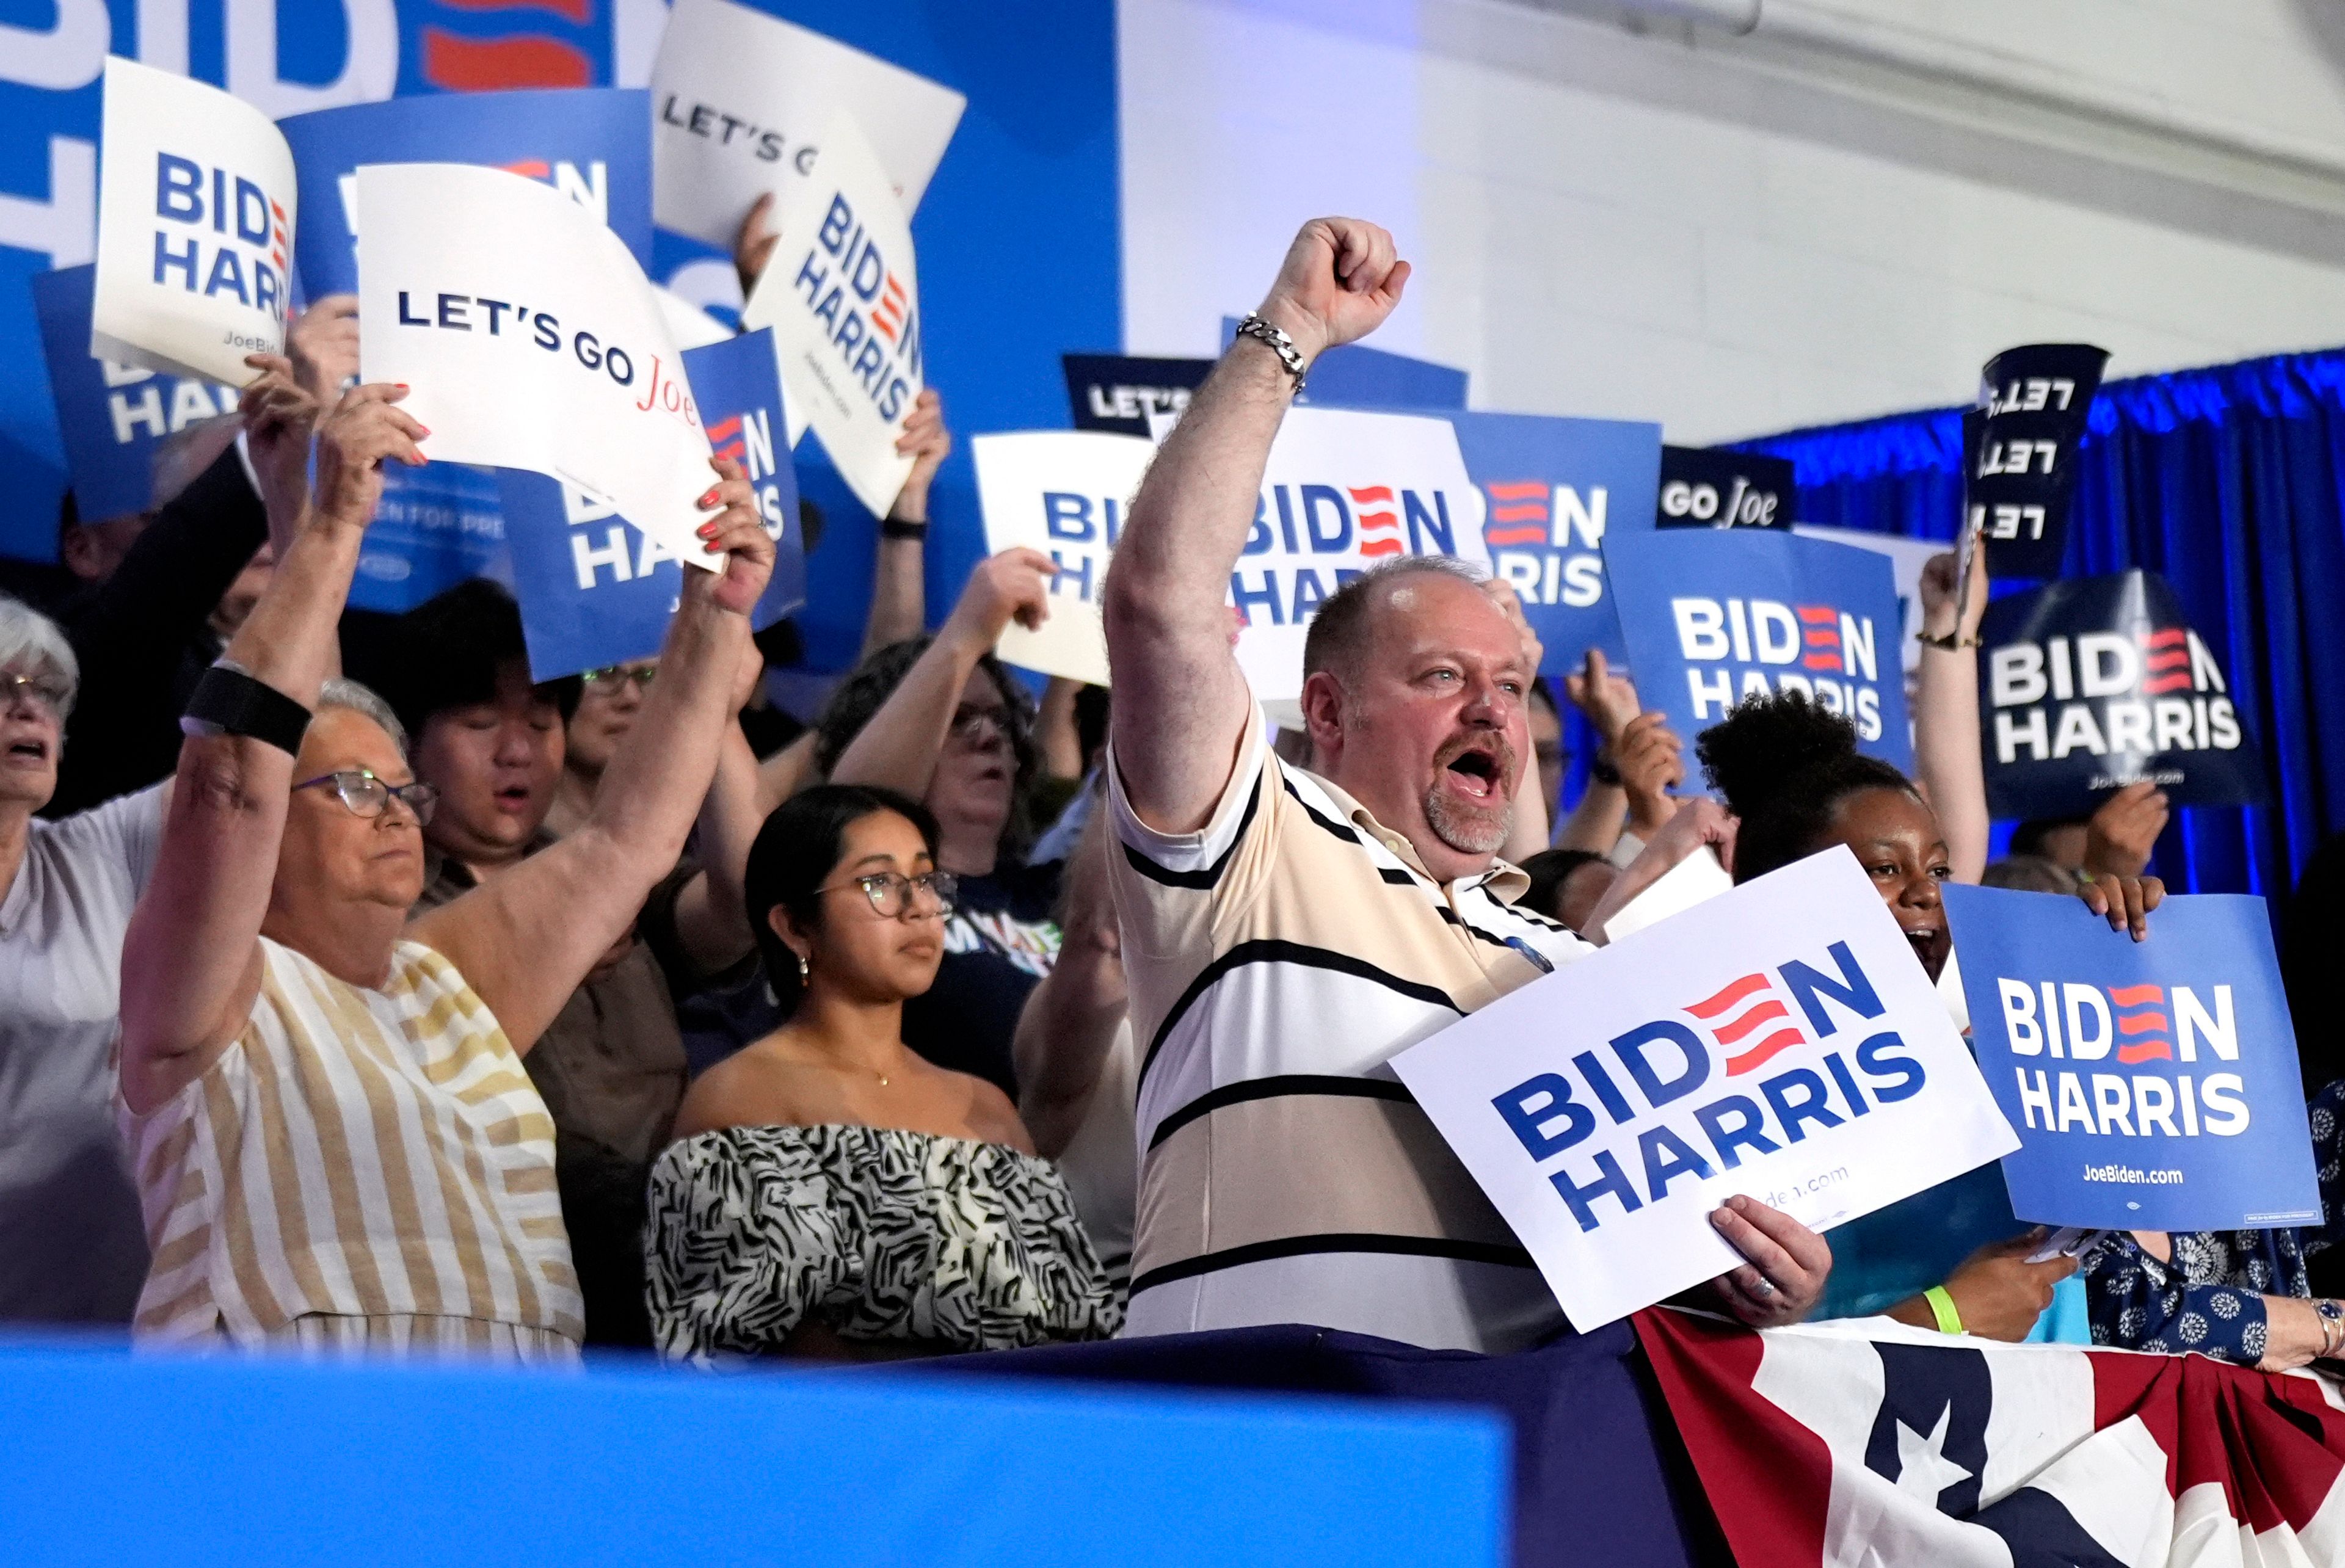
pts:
[226, 701]
[902, 527]
[1602, 770]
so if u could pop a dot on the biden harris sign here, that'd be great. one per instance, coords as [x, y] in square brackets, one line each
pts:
[1778, 1041]
[196, 212]
[2153, 1085]
[1711, 617]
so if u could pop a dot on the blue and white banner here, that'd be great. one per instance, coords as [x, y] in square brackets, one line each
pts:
[196, 212]
[588, 143]
[1712, 616]
[1554, 487]
[2092, 683]
[2153, 1085]
[1063, 493]
[595, 591]
[1778, 1041]
[842, 293]
[112, 415]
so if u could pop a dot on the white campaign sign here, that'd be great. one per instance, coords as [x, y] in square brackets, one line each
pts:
[739, 105]
[843, 299]
[1344, 491]
[1062, 492]
[530, 339]
[195, 227]
[1780, 1041]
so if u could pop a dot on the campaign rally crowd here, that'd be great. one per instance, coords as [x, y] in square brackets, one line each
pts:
[364, 995]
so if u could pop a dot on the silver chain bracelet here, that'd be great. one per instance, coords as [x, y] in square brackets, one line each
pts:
[1280, 344]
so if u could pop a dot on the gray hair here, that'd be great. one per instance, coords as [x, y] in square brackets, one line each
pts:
[1341, 626]
[32, 643]
[339, 693]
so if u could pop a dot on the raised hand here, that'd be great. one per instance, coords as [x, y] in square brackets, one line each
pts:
[1339, 281]
[1511, 605]
[928, 443]
[323, 344]
[1651, 761]
[281, 415]
[365, 430]
[738, 535]
[1941, 575]
[1013, 585]
[1788, 1263]
[2122, 833]
[1608, 701]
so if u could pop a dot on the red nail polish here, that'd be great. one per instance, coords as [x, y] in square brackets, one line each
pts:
[708, 530]
[708, 500]
[713, 549]
[401, 385]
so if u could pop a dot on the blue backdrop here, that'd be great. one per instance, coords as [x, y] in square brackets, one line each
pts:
[2226, 481]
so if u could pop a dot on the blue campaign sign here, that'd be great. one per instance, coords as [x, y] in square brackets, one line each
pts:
[2153, 1085]
[1713, 616]
[112, 416]
[441, 524]
[1553, 487]
[595, 590]
[591, 144]
[1354, 376]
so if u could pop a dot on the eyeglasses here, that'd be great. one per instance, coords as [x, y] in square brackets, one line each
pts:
[616, 674]
[47, 690]
[969, 723]
[368, 795]
[890, 892]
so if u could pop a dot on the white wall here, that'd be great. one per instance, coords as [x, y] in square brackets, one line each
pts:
[1841, 215]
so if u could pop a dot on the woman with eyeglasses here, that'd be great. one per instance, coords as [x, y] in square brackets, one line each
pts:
[608, 701]
[336, 1144]
[941, 720]
[831, 1192]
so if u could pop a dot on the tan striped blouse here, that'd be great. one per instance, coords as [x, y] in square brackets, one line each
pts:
[360, 1169]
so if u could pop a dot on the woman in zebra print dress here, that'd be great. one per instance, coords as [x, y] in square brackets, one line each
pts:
[829, 1190]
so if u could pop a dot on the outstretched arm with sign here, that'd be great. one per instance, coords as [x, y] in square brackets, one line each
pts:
[1181, 705]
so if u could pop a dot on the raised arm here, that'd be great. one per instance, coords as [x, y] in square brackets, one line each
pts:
[191, 959]
[712, 915]
[899, 748]
[1180, 705]
[899, 582]
[1070, 1020]
[1946, 762]
[525, 938]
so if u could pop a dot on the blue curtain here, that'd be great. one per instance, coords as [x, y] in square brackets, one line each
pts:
[2231, 484]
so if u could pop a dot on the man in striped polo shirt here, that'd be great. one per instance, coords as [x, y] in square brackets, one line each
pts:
[1286, 932]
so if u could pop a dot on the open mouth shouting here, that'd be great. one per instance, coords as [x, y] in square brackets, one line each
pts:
[1477, 769]
[1931, 945]
[28, 751]
[1470, 807]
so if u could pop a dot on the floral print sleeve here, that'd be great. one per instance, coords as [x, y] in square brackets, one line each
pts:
[2209, 1298]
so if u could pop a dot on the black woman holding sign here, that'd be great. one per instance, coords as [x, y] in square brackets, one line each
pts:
[1792, 773]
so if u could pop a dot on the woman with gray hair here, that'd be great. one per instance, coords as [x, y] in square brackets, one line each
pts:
[71, 1250]
[337, 1146]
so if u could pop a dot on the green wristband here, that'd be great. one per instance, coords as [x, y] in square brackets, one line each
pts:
[1942, 1307]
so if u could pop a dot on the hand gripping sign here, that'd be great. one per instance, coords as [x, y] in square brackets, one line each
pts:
[195, 228]
[112, 416]
[1778, 1041]
[2153, 1085]
[1712, 617]
[1063, 493]
[530, 339]
[2093, 684]
[740, 104]
[843, 299]
[595, 591]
